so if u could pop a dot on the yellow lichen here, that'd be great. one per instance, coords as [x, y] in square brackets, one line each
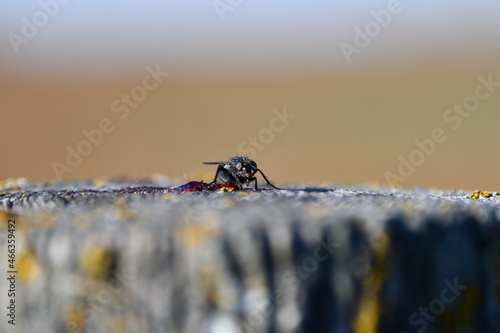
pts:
[122, 212]
[27, 266]
[208, 276]
[97, 261]
[477, 194]
[166, 196]
[99, 181]
[195, 234]
[45, 220]
[485, 194]
[462, 312]
[117, 324]
[21, 224]
[4, 217]
[74, 320]
[369, 310]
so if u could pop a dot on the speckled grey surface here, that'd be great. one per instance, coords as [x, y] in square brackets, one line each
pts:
[136, 256]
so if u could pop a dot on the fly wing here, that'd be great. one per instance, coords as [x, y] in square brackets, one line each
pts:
[218, 163]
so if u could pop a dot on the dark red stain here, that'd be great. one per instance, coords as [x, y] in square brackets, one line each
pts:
[195, 186]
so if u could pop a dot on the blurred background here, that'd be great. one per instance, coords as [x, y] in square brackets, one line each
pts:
[316, 91]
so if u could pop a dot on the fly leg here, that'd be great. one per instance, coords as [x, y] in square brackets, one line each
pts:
[252, 179]
[219, 169]
[267, 180]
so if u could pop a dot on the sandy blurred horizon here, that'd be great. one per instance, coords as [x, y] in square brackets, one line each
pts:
[347, 123]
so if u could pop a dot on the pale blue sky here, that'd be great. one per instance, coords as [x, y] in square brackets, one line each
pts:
[189, 37]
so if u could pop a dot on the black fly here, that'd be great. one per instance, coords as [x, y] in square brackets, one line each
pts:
[239, 170]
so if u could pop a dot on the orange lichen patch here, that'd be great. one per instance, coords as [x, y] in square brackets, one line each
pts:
[44, 220]
[83, 221]
[477, 194]
[122, 212]
[166, 196]
[74, 320]
[117, 324]
[195, 234]
[27, 266]
[97, 261]
[4, 216]
[20, 224]
[227, 189]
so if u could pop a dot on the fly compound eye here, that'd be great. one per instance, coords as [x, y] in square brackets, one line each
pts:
[239, 166]
[249, 170]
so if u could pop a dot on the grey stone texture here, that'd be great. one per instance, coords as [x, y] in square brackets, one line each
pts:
[134, 255]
